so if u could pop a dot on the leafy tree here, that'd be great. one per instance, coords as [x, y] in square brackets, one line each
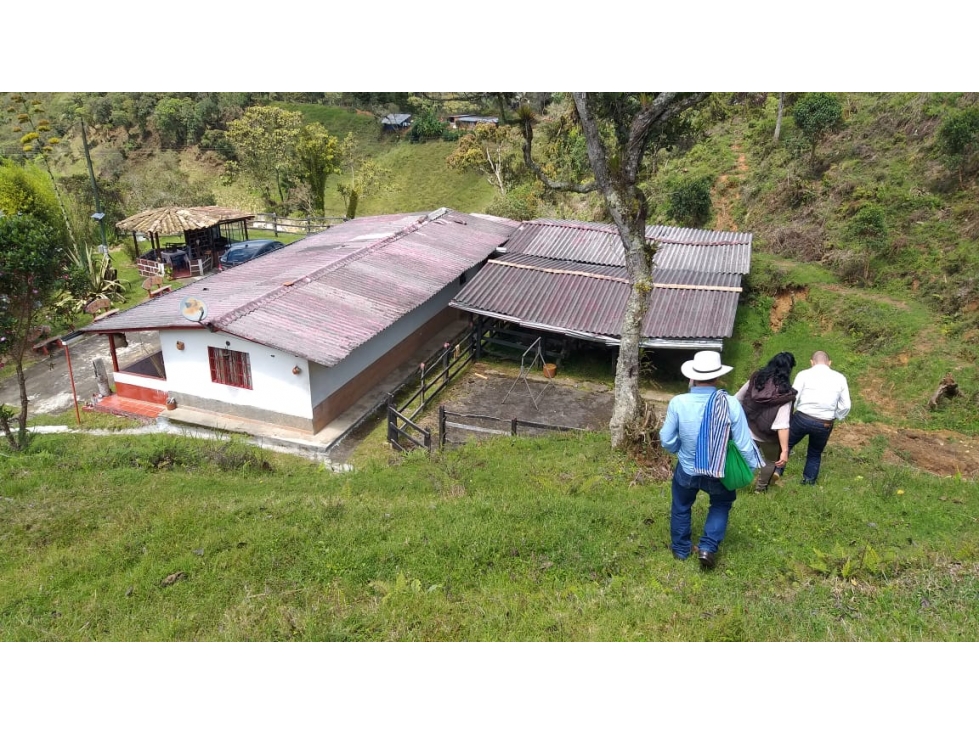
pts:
[617, 129]
[816, 115]
[363, 176]
[27, 190]
[689, 202]
[958, 139]
[265, 141]
[31, 273]
[171, 117]
[317, 156]
[426, 125]
[491, 150]
[38, 142]
[868, 230]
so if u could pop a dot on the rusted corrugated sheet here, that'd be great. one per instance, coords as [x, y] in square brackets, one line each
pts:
[585, 299]
[570, 277]
[679, 247]
[327, 294]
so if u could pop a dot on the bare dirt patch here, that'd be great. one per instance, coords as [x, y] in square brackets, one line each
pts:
[483, 390]
[784, 302]
[945, 453]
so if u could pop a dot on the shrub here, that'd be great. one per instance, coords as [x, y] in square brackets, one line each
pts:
[958, 138]
[520, 203]
[689, 202]
[427, 125]
[817, 114]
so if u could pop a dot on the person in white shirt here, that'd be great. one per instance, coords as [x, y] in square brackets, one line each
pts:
[823, 397]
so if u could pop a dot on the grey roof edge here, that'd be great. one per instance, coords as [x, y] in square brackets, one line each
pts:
[609, 341]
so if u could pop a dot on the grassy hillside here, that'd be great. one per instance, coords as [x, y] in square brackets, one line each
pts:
[419, 178]
[875, 204]
[166, 538]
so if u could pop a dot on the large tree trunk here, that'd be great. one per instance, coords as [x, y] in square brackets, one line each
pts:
[627, 206]
[626, 203]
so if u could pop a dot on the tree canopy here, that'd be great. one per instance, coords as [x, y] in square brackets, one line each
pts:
[816, 115]
[265, 140]
[32, 271]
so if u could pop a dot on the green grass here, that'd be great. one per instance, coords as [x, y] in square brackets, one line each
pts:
[515, 539]
[419, 180]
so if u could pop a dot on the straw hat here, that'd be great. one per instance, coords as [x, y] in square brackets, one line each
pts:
[704, 367]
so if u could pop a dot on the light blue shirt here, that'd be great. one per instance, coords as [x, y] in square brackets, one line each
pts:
[683, 417]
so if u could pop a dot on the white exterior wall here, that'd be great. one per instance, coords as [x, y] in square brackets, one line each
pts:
[274, 387]
[325, 381]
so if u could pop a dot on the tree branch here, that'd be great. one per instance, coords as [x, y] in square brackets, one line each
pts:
[527, 128]
[663, 108]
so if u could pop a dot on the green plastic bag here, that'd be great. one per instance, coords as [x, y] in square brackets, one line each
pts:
[737, 473]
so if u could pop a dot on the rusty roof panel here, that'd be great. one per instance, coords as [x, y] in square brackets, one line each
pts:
[327, 294]
[686, 314]
[538, 291]
[679, 247]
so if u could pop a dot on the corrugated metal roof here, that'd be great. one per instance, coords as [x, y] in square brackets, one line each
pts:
[679, 247]
[327, 294]
[569, 277]
[395, 118]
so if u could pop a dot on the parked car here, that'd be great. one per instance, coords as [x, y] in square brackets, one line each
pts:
[242, 252]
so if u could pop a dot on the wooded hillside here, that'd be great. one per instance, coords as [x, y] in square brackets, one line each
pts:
[880, 188]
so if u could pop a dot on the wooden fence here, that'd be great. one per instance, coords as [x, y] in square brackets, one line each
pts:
[512, 425]
[293, 225]
[432, 377]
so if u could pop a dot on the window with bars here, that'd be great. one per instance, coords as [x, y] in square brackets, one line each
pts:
[229, 367]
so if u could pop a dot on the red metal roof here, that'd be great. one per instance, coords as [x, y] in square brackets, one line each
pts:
[569, 277]
[327, 294]
[679, 247]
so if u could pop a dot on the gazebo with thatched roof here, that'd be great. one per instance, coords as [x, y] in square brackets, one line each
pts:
[207, 231]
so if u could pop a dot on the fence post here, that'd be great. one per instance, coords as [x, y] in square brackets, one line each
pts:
[479, 337]
[513, 427]
[275, 224]
[445, 363]
[390, 418]
[421, 369]
[428, 441]
[441, 426]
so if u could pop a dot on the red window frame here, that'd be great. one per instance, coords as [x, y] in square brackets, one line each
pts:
[229, 367]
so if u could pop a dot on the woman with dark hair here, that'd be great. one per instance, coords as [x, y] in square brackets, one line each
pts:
[767, 399]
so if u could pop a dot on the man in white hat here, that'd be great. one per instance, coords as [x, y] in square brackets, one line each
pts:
[679, 435]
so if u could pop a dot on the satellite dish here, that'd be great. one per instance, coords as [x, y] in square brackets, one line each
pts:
[193, 309]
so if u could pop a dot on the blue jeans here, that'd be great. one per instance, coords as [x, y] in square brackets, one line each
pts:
[818, 432]
[685, 488]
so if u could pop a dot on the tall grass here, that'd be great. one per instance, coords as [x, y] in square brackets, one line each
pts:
[164, 538]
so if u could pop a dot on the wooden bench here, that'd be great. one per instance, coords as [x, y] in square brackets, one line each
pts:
[43, 347]
[107, 313]
[160, 291]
